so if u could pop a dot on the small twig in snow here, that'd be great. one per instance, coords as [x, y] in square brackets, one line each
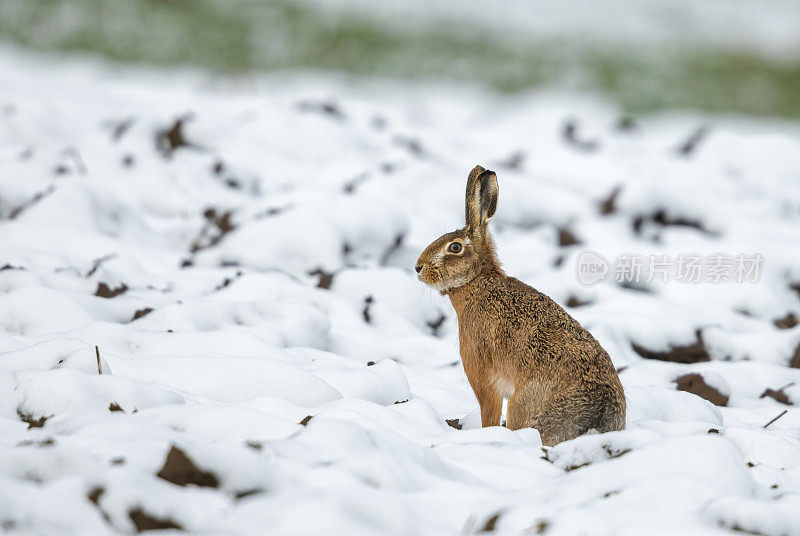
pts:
[99, 366]
[776, 418]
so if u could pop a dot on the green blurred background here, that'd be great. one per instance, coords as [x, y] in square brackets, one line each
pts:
[717, 57]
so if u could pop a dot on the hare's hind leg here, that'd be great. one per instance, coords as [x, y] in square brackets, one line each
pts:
[564, 415]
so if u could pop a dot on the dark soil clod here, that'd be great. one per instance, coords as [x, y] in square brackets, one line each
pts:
[325, 278]
[541, 526]
[454, 423]
[115, 407]
[181, 470]
[144, 521]
[692, 353]
[573, 301]
[777, 395]
[306, 420]
[104, 291]
[787, 322]
[609, 204]
[95, 494]
[141, 312]
[795, 287]
[218, 224]
[491, 522]
[32, 422]
[795, 361]
[170, 139]
[695, 384]
[567, 238]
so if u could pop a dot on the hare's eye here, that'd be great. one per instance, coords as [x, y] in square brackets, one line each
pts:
[454, 247]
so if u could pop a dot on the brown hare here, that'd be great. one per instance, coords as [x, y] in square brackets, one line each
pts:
[516, 342]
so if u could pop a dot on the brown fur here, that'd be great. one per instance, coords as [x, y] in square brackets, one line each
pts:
[516, 342]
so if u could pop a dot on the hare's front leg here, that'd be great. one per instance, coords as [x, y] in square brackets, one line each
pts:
[491, 404]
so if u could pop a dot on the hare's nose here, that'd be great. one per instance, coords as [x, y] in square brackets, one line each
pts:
[418, 268]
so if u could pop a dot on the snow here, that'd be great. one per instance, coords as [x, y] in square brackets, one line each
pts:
[324, 410]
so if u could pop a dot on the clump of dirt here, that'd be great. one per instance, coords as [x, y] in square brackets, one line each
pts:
[574, 301]
[217, 225]
[454, 423]
[172, 138]
[95, 494]
[141, 312]
[105, 291]
[325, 278]
[778, 395]
[567, 238]
[306, 420]
[787, 322]
[115, 407]
[795, 287]
[695, 384]
[609, 204]
[541, 526]
[31, 421]
[144, 521]
[692, 353]
[491, 523]
[181, 470]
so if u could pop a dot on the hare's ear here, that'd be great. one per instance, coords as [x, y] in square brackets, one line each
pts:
[481, 199]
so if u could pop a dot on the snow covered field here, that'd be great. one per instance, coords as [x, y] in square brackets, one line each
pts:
[241, 253]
